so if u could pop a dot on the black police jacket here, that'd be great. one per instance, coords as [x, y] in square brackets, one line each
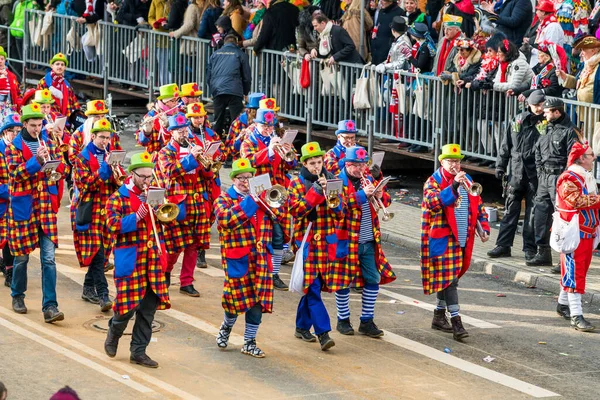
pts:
[552, 149]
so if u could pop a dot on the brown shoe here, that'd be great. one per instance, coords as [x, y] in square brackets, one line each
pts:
[143, 360]
[457, 326]
[440, 322]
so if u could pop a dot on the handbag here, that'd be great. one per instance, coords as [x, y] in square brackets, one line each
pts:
[564, 235]
[361, 92]
[305, 74]
[84, 213]
[297, 277]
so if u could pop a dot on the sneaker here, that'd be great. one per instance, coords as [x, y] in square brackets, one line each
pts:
[89, 294]
[105, 303]
[143, 360]
[325, 341]
[201, 260]
[251, 349]
[345, 327]
[189, 290]
[369, 329]
[18, 304]
[305, 335]
[278, 283]
[288, 256]
[223, 335]
[53, 315]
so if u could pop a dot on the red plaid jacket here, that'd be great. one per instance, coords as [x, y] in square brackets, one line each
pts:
[4, 177]
[332, 160]
[68, 103]
[234, 137]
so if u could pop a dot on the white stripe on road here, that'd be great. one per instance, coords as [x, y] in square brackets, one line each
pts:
[204, 326]
[468, 366]
[74, 356]
[478, 323]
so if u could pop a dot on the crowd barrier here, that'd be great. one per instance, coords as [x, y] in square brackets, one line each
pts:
[419, 109]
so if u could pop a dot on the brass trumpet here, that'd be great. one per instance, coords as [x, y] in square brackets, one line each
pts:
[62, 146]
[53, 176]
[376, 203]
[118, 174]
[214, 166]
[333, 200]
[166, 212]
[473, 188]
[287, 156]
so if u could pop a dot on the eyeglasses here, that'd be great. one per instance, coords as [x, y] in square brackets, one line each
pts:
[103, 137]
[348, 138]
[243, 178]
[142, 177]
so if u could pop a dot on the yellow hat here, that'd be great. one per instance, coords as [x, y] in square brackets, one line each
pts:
[269, 103]
[195, 110]
[96, 107]
[59, 57]
[450, 151]
[452, 20]
[43, 97]
[190, 90]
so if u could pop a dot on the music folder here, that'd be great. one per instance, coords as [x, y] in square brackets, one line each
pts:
[50, 165]
[334, 186]
[212, 148]
[116, 157]
[259, 184]
[377, 158]
[289, 136]
[155, 196]
[383, 183]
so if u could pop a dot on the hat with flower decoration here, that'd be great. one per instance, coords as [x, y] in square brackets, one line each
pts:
[169, 91]
[31, 111]
[141, 160]
[240, 166]
[269, 103]
[178, 121]
[465, 44]
[43, 97]
[10, 121]
[3, 52]
[195, 110]
[452, 20]
[450, 151]
[102, 125]
[310, 150]
[265, 116]
[59, 57]
[96, 107]
[356, 154]
[190, 90]
[254, 100]
[346, 126]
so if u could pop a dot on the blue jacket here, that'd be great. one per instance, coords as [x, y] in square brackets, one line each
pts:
[514, 18]
[207, 23]
[228, 71]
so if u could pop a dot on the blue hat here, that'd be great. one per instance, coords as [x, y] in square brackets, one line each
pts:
[178, 121]
[254, 99]
[418, 30]
[356, 154]
[10, 121]
[265, 116]
[346, 126]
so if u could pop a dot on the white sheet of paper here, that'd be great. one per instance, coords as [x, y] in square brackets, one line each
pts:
[260, 183]
[377, 158]
[212, 149]
[334, 186]
[289, 136]
[383, 183]
[156, 196]
[116, 157]
[59, 123]
[50, 165]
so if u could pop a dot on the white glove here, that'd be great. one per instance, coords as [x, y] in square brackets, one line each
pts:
[140, 20]
[380, 68]
[56, 93]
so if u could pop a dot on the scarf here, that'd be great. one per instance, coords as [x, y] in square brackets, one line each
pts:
[503, 69]
[447, 46]
[100, 154]
[547, 21]
[89, 8]
[134, 189]
[164, 108]
[325, 42]
[488, 64]
[57, 80]
[462, 61]
[87, 131]
[588, 68]
[354, 181]
[590, 181]
[540, 81]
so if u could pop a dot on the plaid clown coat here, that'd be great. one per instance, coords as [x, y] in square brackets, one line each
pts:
[4, 197]
[235, 136]
[346, 268]
[321, 243]
[442, 259]
[159, 137]
[332, 159]
[138, 264]
[68, 103]
[245, 232]
[77, 143]
[95, 184]
[34, 199]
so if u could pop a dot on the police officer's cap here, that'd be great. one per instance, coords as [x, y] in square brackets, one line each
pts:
[553, 102]
[536, 97]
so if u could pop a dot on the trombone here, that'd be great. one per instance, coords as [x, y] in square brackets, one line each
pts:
[54, 175]
[376, 202]
[166, 212]
[275, 197]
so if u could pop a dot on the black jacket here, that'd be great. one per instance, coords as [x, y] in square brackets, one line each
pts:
[175, 19]
[552, 149]
[131, 10]
[553, 89]
[78, 7]
[518, 148]
[207, 22]
[380, 46]
[342, 46]
[278, 27]
[423, 60]
[514, 18]
[228, 71]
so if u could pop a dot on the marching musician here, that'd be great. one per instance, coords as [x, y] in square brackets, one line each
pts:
[11, 126]
[450, 217]
[182, 175]
[139, 262]
[82, 136]
[269, 103]
[32, 212]
[359, 256]
[242, 125]
[310, 204]
[65, 100]
[10, 93]
[153, 134]
[96, 180]
[245, 231]
[346, 138]
[189, 93]
[264, 150]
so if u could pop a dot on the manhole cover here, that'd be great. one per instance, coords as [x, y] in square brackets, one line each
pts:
[101, 324]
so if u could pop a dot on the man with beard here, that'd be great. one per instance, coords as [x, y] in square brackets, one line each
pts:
[65, 101]
[346, 135]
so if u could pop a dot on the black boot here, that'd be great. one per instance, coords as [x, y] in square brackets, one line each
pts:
[111, 344]
[458, 329]
[143, 360]
[168, 278]
[541, 259]
[18, 304]
[529, 255]
[325, 341]
[189, 290]
[580, 324]
[201, 260]
[440, 322]
[305, 335]
[8, 277]
[278, 283]
[105, 303]
[369, 329]
[563, 310]
[345, 327]
[52, 314]
[89, 294]
[499, 251]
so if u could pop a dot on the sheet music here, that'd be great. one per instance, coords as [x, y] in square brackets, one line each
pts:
[334, 186]
[50, 165]
[383, 183]
[116, 157]
[59, 123]
[377, 158]
[260, 183]
[155, 196]
[289, 136]
[212, 149]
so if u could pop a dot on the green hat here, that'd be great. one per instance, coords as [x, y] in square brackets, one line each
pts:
[43, 97]
[169, 91]
[450, 151]
[31, 111]
[240, 166]
[3, 53]
[310, 150]
[59, 57]
[141, 160]
[102, 125]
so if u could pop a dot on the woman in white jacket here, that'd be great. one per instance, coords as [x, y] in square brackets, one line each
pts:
[513, 69]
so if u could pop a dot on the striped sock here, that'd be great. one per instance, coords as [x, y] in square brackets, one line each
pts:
[441, 305]
[369, 295]
[453, 309]
[230, 321]
[286, 246]
[250, 332]
[342, 303]
[277, 256]
[453, 314]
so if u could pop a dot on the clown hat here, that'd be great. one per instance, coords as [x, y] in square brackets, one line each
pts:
[190, 90]
[141, 160]
[178, 121]
[59, 57]
[169, 91]
[10, 121]
[310, 150]
[96, 107]
[450, 151]
[545, 6]
[102, 125]
[43, 97]
[265, 116]
[356, 154]
[452, 20]
[254, 100]
[346, 126]
[31, 111]
[269, 103]
[3, 52]
[241, 166]
[195, 110]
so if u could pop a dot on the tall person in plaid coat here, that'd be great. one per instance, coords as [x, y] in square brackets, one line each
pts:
[308, 205]
[11, 126]
[153, 134]
[245, 231]
[65, 100]
[346, 138]
[32, 212]
[450, 216]
[139, 263]
[241, 126]
[359, 255]
[95, 181]
[260, 148]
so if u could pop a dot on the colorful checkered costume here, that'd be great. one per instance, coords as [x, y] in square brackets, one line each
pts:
[237, 133]
[77, 143]
[159, 137]
[332, 159]
[65, 105]
[4, 177]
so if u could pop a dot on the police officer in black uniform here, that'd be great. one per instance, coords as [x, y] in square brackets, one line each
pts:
[551, 154]
[518, 149]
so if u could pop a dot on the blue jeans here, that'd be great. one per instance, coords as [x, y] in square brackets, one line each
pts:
[162, 58]
[277, 242]
[19, 280]
[366, 259]
[312, 311]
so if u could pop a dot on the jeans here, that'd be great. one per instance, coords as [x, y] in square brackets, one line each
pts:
[312, 311]
[221, 103]
[162, 58]
[253, 315]
[19, 280]
[277, 241]
[94, 276]
[368, 266]
[450, 296]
